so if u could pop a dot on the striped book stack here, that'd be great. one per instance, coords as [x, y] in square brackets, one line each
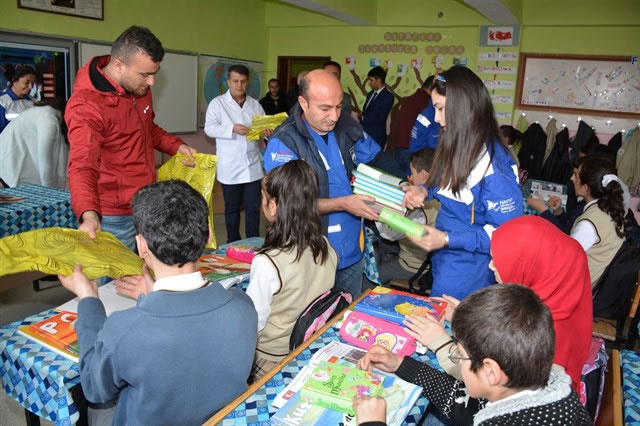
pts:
[381, 186]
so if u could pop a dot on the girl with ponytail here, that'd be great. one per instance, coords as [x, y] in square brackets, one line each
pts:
[600, 228]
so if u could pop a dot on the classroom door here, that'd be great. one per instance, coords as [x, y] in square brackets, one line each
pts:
[290, 66]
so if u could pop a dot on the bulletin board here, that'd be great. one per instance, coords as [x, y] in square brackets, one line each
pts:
[597, 85]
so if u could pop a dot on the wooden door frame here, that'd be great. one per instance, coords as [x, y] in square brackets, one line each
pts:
[284, 68]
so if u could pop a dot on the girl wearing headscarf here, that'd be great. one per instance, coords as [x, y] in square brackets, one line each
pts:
[529, 250]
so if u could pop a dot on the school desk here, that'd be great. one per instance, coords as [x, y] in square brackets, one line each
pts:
[254, 407]
[41, 207]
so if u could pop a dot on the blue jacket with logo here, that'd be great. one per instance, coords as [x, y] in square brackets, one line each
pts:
[492, 196]
[425, 131]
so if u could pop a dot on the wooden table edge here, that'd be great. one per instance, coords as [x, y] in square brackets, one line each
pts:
[224, 412]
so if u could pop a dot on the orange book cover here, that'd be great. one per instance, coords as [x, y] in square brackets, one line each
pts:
[56, 333]
[218, 267]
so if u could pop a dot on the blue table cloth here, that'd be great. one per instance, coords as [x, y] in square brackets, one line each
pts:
[630, 363]
[39, 379]
[42, 207]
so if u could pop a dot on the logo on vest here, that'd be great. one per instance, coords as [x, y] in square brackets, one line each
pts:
[502, 206]
[281, 157]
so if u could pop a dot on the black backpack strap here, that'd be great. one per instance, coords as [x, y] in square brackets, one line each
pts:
[418, 274]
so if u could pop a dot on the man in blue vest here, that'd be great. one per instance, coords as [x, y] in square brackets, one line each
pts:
[333, 144]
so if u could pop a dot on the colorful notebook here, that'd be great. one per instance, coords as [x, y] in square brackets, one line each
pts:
[363, 330]
[334, 386]
[242, 253]
[57, 334]
[394, 305]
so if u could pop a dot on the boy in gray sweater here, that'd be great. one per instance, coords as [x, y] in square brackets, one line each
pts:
[187, 347]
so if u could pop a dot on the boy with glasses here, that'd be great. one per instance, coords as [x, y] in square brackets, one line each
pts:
[504, 343]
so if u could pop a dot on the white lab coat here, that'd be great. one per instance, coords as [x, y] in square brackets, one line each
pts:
[238, 158]
[33, 149]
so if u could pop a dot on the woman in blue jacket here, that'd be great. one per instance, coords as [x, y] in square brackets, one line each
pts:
[15, 98]
[474, 177]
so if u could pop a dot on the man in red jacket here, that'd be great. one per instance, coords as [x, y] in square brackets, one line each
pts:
[112, 134]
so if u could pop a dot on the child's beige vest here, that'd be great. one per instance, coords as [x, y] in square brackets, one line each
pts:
[300, 283]
[602, 252]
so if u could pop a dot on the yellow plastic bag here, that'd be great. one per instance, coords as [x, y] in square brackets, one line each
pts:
[201, 178]
[260, 123]
[58, 250]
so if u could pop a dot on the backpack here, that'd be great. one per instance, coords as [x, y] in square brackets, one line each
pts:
[320, 310]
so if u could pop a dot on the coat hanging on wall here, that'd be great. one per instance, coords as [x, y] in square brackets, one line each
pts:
[531, 155]
[558, 167]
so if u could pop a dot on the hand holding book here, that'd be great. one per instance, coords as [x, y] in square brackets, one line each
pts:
[433, 239]
[370, 409]
[380, 358]
[414, 196]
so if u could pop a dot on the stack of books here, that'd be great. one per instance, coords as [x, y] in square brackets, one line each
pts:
[381, 186]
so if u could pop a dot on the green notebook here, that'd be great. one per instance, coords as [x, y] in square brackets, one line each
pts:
[334, 386]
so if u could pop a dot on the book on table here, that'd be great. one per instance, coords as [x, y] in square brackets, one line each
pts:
[57, 334]
[393, 305]
[334, 386]
[401, 396]
[226, 271]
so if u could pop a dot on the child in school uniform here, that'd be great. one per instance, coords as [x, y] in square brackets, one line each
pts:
[504, 346]
[296, 263]
[186, 349]
[409, 257]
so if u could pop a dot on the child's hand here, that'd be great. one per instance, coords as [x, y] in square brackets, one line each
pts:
[79, 284]
[414, 196]
[134, 285]
[555, 204]
[537, 203]
[380, 358]
[452, 304]
[370, 409]
[424, 329]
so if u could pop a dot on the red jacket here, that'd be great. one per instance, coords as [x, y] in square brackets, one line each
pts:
[112, 137]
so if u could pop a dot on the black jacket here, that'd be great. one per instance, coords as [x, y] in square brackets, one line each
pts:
[531, 155]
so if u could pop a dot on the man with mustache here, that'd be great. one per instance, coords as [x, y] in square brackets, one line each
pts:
[333, 144]
[112, 134]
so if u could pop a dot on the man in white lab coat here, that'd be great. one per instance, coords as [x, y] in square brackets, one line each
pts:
[239, 167]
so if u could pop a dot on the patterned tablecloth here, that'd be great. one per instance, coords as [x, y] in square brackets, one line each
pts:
[42, 207]
[630, 362]
[39, 379]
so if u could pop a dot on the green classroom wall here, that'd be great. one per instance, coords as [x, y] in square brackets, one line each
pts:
[204, 26]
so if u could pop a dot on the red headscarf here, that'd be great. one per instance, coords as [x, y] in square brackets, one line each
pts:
[530, 250]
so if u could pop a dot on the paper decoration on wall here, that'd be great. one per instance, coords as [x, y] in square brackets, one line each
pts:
[497, 56]
[437, 61]
[437, 37]
[502, 99]
[460, 61]
[503, 115]
[496, 70]
[423, 36]
[428, 50]
[436, 49]
[499, 36]
[387, 64]
[361, 49]
[416, 63]
[402, 69]
[350, 61]
[375, 62]
[499, 84]
[387, 36]
[460, 50]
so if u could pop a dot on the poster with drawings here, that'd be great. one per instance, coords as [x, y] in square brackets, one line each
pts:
[597, 85]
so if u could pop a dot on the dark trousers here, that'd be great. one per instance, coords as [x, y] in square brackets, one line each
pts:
[235, 196]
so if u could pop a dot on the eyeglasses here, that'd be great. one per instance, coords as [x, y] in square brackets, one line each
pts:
[454, 353]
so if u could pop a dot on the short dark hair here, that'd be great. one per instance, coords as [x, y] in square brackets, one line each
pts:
[423, 159]
[334, 63]
[509, 324]
[377, 72]
[303, 87]
[240, 69]
[16, 72]
[173, 218]
[137, 39]
[273, 79]
[428, 82]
